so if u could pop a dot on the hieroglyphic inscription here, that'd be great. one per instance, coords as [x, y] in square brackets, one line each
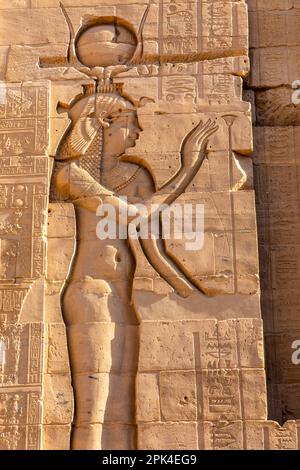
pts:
[22, 219]
[23, 210]
[23, 120]
[179, 27]
[26, 367]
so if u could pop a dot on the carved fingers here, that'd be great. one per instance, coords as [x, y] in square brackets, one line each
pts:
[198, 135]
[205, 131]
[196, 141]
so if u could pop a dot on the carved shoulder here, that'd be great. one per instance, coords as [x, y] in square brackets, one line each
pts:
[72, 182]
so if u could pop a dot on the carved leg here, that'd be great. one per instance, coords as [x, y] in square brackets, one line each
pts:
[103, 357]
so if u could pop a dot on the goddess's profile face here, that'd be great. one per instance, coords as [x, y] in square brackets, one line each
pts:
[123, 132]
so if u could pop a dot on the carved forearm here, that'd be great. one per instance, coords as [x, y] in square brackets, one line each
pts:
[193, 152]
[165, 267]
[176, 186]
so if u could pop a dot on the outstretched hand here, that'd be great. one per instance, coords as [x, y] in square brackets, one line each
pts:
[196, 141]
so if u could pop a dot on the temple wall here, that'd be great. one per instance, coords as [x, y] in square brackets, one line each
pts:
[274, 52]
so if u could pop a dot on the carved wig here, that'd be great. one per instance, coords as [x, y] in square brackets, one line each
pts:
[90, 115]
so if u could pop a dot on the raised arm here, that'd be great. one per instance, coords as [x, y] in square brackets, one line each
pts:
[193, 151]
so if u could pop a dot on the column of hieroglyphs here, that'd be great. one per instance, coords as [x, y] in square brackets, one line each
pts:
[274, 42]
[24, 195]
[32, 353]
[23, 189]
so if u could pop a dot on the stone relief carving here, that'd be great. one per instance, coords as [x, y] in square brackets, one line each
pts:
[92, 168]
[23, 203]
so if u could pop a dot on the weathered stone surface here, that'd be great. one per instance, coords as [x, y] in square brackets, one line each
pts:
[57, 360]
[274, 53]
[147, 401]
[105, 436]
[56, 437]
[58, 401]
[177, 436]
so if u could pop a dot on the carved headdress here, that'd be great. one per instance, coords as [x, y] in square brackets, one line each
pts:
[102, 48]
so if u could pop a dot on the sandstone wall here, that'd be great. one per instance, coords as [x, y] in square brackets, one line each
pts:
[274, 52]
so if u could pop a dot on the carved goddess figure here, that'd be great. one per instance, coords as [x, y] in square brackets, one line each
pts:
[91, 168]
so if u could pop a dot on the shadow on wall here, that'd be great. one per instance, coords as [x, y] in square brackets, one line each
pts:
[276, 182]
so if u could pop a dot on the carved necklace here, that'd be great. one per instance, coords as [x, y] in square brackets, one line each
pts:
[126, 183]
